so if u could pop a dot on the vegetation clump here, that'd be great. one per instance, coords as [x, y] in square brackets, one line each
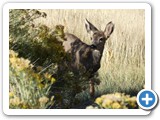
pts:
[115, 101]
[36, 54]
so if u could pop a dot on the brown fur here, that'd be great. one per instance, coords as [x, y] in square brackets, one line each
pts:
[87, 56]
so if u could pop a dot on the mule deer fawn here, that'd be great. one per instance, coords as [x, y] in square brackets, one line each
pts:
[88, 56]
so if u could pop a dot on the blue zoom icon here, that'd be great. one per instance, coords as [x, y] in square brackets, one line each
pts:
[147, 99]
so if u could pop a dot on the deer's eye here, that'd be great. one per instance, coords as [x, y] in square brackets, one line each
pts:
[101, 40]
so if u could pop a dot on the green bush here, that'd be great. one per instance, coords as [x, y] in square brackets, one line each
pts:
[35, 42]
[28, 89]
[41, 47]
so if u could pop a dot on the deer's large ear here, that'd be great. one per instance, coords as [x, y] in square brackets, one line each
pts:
[109, 29]
[90, 27]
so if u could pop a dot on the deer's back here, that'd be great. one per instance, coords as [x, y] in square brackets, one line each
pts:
[82, 55]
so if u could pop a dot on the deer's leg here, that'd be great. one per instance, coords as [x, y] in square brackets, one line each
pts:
[91, 88]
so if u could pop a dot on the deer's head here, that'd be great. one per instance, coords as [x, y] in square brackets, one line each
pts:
[99, 37]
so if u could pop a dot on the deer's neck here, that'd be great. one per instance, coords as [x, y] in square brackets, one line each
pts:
[97, 53]
[100, 48]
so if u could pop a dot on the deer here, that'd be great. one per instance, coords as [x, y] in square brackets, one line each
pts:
[85, 55]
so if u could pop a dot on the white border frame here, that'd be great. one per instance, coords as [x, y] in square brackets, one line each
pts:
[8, 6]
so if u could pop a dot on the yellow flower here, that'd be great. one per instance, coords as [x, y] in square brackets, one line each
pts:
[43, 100]
[11, 94]
[118, 95]
[24, 63]
[25, 106]
[12, 54]
[127, 99]
[99, 101]
[53, 80]
[18, 63]
[116, 105]
[40, 85]
[133, 99]
[12, 60]
[117, 101]
[48, 76]
[133, 104]
[14, 101]
[107, 103]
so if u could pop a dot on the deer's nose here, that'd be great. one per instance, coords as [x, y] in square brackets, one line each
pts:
[94, 42]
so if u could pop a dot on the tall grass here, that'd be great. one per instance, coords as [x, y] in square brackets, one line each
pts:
[123, 62]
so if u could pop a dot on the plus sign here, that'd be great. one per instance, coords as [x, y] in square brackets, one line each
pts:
[147, 99]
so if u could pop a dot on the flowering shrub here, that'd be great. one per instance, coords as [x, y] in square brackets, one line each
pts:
[36, 52]
[27, 88]
[36, 42]
[115, 101]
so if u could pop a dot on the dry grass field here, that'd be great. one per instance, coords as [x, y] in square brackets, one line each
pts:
[123, 62]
